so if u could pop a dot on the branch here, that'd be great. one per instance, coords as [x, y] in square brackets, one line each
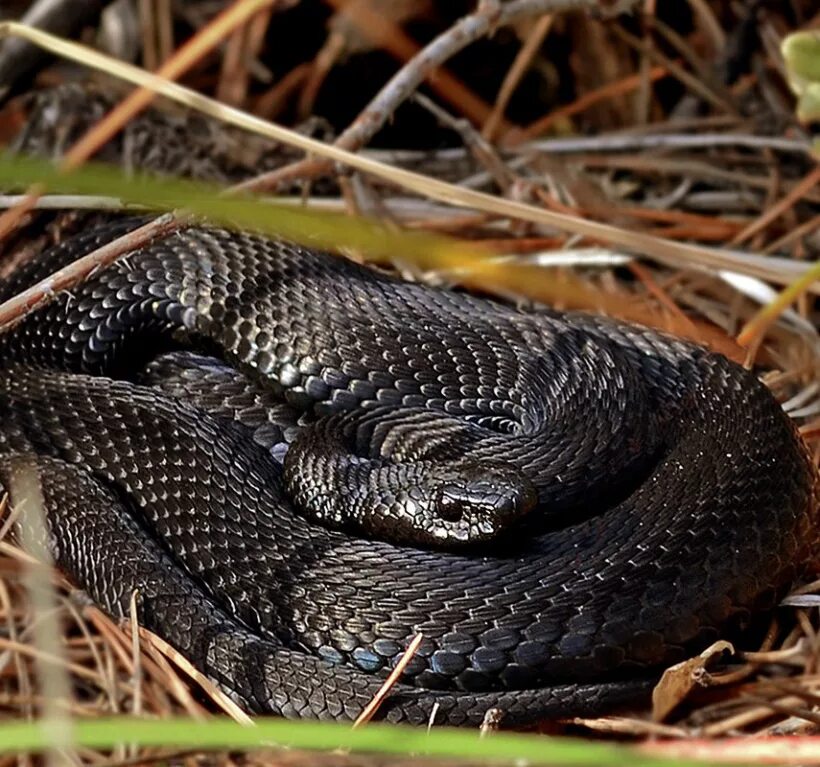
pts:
[486, 19]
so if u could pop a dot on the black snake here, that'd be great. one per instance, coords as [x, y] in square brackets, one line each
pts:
[673, 495]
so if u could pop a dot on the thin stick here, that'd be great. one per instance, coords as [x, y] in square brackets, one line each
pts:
[754, 329]
[205, 40]
[371, 708]
[219, 697]
[192, 51]
[797, 192]
[689, 80]
[513, 77]
[489, 16]
[65, 202]
[16, 308]
[136, 677]
[675, 254]
[629, 83]
[54, 683]
[781, 750]
[383, 31]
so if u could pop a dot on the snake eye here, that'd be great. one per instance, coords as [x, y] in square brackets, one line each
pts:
[450, 507]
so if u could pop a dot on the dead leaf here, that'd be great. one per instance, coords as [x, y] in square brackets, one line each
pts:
[679, 680]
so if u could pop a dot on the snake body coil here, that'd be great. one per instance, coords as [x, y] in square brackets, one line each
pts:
[673, 495]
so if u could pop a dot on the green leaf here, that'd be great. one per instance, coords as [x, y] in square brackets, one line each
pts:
[801, 52]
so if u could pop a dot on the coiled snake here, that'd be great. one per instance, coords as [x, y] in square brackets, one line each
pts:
[561, 504]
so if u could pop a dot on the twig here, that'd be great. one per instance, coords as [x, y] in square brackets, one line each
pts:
[220, 698]
[797, 192]
[806, 228]
[155, 666]
[384, 31]
[747, 716]
[773, 656]
[137, 678]
[778, 270]
[205, 40]
[60, 17]
[489, 16]
[687, 167]
[515, 73]
[642, 103]
[481, 149]
[24, 682]
[662, 296]
[237, 14]
[701, 69]
[16, 308]
[318, 69]
[65, 202]
[514, 138]
[151, 56]
[709, 23]
[243, 46]
[57, 660]
[616, 725]
[688, 79]
[110, 686]
[752, 333]
[667, 135]
[274, 100]
[53, 679]
[795, 750]
[371, 708]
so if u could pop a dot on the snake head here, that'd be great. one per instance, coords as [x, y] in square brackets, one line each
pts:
[430, 503]
[474, 502]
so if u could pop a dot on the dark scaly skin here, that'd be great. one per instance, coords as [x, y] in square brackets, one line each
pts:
[564, 614]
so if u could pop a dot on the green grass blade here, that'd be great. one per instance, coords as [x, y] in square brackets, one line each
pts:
[319, 229]
[225, 734]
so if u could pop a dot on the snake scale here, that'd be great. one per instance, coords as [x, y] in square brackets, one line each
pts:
[157, 401]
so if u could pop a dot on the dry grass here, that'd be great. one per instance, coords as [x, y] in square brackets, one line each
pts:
[680, 162]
